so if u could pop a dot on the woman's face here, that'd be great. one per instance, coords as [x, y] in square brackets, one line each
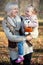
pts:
[14, 12]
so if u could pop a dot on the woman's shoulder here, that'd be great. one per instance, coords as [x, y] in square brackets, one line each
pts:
[22, 17]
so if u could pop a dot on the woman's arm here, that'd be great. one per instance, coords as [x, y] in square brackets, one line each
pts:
[10, 36]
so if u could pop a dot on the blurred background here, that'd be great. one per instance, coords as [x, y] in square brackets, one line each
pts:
[37, 57]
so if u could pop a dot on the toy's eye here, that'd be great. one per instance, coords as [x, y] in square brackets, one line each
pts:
[28, 21]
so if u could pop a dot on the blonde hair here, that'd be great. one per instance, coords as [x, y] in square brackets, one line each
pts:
[32, 8]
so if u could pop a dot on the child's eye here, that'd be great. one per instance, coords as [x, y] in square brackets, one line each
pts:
[27, 11]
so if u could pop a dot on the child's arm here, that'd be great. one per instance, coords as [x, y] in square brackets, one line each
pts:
[34, 22]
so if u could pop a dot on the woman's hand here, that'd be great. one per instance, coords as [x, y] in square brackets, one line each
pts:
[29, 38]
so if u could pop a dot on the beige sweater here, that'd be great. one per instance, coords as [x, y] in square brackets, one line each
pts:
[13, 52]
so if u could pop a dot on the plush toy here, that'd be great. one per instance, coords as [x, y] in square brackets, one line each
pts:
[25, 27]
[28, 29]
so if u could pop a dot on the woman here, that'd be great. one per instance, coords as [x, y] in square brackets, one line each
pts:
[12, 12]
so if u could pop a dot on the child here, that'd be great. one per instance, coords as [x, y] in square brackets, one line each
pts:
[32, 17]
[28, 24]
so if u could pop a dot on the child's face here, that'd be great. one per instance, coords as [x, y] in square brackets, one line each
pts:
[28, 12]
[14, 12]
